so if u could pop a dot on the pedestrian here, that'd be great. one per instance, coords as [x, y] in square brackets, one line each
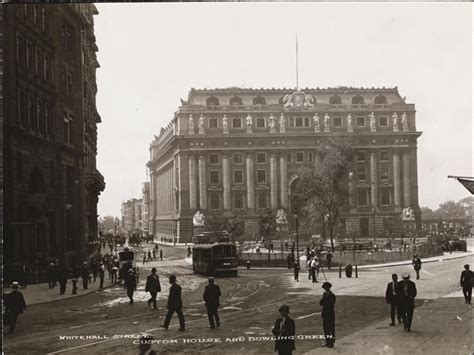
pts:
[284, 331]
[55, 272]
[314, 266]
[153, 286]
[101, 275]
[286, 245]
[94, 269]
[62, 280]
[114, 272]
[175, 304]
[289, 262]
[211, 296]
[154, 254]
[144, 347]
[149, 255]
[144, 258]
[156, 247]
[417, 265]
[130, 284]
[329, 257]
[50, 274]
[14, 305]
[161, 254]
[296, 270]
[23, 276]
[392, 298]
[466, 283]
[308, 267]
[85, 275]
[329, 317]
[407, 292]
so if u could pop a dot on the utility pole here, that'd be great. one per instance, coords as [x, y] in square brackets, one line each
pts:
[295, 213]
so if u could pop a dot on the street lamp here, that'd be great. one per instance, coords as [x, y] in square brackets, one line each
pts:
[295, 213]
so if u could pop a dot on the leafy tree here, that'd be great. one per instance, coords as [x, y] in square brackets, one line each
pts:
[428, 214]
[267, 225]
[392, 226]
[451, 210]
[235, 227]
[325, 189]
[215, 224]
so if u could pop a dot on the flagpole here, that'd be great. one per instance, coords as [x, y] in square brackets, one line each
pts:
[297, 79]
[459, 177]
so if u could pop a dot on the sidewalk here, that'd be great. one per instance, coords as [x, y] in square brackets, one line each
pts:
[41, 293]
[440, 327]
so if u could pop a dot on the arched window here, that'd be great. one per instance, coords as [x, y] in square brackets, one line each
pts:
[212, 101]
[380, 100]
[358, 100]
[259, 100]
[335, 100]
[235, 101]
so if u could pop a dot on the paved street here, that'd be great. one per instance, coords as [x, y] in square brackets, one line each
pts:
[249, 308]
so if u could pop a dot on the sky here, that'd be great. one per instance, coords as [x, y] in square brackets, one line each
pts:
[152, 54]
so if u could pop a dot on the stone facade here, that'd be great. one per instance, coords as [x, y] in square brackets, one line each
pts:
[52, 183]
[236, 152]
[132, 215]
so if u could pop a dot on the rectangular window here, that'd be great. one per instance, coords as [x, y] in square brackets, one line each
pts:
[215, 201]
[261, 200]
[214, 177]
[19, 48]
[384, 173]
[213, 158]
[68, 128]
[47, 118]
[40, 112]
[361, 175]
[300, 157]
[383, 121]
[52, 174]
[385, 196]
[310, 157]
[19, 170]
[306, 121]
[46, 68]
[238, 177]
[66, 37]
[337, 121]
[31, 113]
[361, 121]
[360, 156]
[238, 201]
[29, 55]
[261, 176]
[260, 122]
[38, 59]
[289, 158]
[212, 122]
[299, 122]
[362, 199]
[22, 109]
[236, 123]
[238, 159]
[69, 83]
[383, 155]
[261, 158]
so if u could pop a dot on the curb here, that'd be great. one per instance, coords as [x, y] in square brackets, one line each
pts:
[408, 262]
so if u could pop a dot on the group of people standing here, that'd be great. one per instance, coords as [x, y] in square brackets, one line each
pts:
[401, 297]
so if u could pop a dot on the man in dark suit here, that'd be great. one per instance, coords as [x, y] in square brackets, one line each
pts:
[153, 286]
[175, 304]
[392, 298]
[85, 274]
[466, 283]
[130, 284]
[14, 305]
[417, 265]
[329, 317]
[284, 330]
[406, 289]
[211, 296]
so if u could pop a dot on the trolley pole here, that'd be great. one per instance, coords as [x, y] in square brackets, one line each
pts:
[295, 213]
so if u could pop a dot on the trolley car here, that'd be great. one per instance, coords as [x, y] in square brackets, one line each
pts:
[214, 257]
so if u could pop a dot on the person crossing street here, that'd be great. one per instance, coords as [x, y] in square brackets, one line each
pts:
[211, 296]
[153, 286]
[175, 304]
[466, 283]
[130, 284]
[407, 291]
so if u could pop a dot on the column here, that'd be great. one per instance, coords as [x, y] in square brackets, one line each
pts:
[273, 182]
[226, 181]
[250, 182]
[202, 183]
[373, 180]
[396, 180]
[317, 159]
[406, 179]
[283, 180]
[192, 183]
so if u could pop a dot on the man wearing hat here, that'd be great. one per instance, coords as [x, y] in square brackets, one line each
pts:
[153, 286]
[85, 275]
[466, 283]
[284, 330]
[329, 317]
[211, 296]
[14, 305]
[407, 291]
[175, 304]
[130, 284]
[417, 265]
[392, 298]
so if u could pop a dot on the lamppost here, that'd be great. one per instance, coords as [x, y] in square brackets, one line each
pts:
[295, 213]
[375, 239]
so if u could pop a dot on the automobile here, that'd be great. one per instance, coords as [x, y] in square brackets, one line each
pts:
[457, 245]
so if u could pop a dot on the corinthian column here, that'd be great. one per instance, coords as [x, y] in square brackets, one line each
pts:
[373, 180]
[396, 180]
[202, 183]
[406, 179]
[226, 181]
[250, 183]
[192, 183]
[283, 180]
[273, 182]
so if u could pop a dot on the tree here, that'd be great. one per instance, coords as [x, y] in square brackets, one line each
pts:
[428, 214]
[452, 210]
[267, 225]
[215, 224]
[325, 189]
[235, 227]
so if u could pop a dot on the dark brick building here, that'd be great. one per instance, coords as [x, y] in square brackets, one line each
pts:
[51, 180]
[237, 152]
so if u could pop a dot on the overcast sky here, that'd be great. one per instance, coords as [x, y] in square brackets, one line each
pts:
[152, 54]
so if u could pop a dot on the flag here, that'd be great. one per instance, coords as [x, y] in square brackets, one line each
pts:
[468, 184]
